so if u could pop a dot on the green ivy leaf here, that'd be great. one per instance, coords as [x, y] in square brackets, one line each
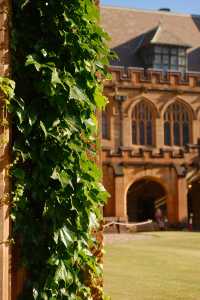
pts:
[43, 129]
[55, 77]
[7, 86]
[32, 60]
[65, 236]
[19, 173]
[77, 93]
[100, 100]
[61, 176]
[63, 274]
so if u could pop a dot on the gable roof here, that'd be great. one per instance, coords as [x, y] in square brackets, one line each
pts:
[160, 35]
[147, 37]
[166, 37]
[129, 27]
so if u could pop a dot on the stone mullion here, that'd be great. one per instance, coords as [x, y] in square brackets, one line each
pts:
[180, 121]
[181, 132]
[171, 132]
[153, 130]
[145, 131]
[137, 122]
[138, 131]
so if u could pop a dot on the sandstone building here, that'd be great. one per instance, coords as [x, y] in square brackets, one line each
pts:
[151, 126]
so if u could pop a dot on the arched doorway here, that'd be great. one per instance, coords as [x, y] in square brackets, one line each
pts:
[143, 198]
[194, 203]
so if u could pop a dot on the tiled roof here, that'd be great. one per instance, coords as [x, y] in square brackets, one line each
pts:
[166, 37]
[128, 27]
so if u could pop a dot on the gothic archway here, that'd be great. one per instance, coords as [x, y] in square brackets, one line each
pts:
[143, 198]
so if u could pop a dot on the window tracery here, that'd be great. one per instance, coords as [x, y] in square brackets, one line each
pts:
[177, 125]
[142, 124]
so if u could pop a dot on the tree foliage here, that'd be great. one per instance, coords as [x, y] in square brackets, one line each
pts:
[58, 57]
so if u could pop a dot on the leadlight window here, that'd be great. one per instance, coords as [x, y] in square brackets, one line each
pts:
[105, 125]
[167, 133]
[170, 58]
[177, 125]
[142, 124]
[165, 58]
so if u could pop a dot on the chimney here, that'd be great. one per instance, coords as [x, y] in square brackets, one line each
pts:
[165, 9]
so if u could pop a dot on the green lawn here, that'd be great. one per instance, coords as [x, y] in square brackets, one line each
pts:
[162, 266]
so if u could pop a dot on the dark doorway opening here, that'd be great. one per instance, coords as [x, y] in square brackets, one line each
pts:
[143, 198]
[194, 204]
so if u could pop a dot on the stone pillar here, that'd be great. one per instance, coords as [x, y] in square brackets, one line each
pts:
[5, 265]
[127, 132]
[120, 201]
[159, 138]
[172, 209]
[196, 132]
[116, 128]
[182, 200]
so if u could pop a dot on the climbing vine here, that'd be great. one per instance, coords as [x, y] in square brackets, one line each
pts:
[58, 56]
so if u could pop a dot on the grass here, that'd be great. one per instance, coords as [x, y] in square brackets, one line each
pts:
[163, 266]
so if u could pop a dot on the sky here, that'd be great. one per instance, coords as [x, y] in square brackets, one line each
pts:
[181, 6]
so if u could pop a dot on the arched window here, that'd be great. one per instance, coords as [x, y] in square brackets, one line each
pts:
[142, 124]
[176, 125]
[105, 125]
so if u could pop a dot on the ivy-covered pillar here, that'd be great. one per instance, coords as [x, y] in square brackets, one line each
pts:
[5, 265]
[58, 57]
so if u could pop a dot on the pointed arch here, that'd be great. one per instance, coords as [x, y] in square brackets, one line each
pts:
[177, 118]
[182, 101]
[136, 100]
[143, 123]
